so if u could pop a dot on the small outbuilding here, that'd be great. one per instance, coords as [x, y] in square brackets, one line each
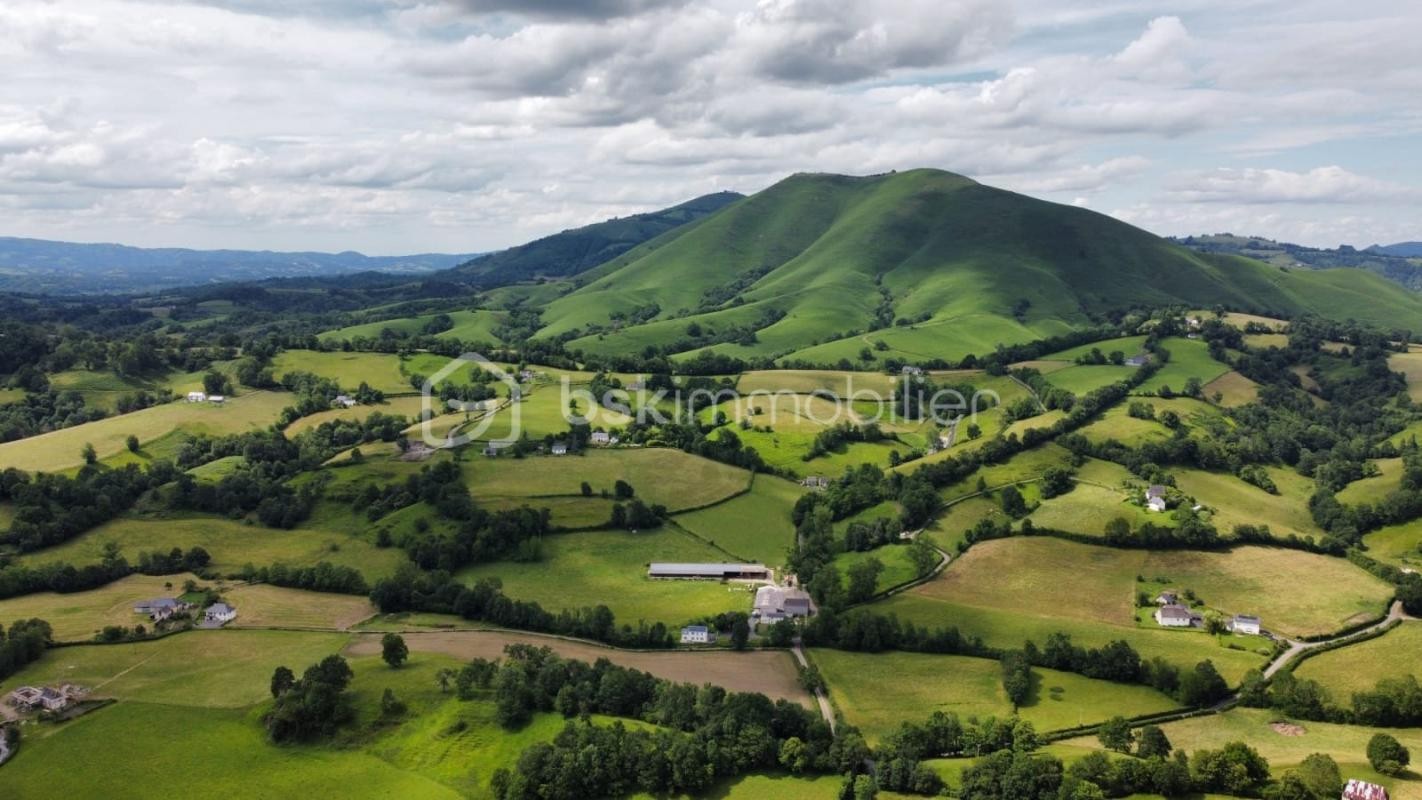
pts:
[197, 397]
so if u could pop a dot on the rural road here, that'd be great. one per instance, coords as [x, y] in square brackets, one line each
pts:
[826, 710]
[1297, 648]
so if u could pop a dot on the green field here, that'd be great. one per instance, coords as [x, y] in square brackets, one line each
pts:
[878, 691]
[231, 544]
[1189, 358]
[408, 407]
[1373, 489]
[786, 449]
[380, 370]
[1233, 502]
[1081, 379]
[1412, 433]
[1196, 417]
[1233, 389]
[755, 526]
[1013, 589]
[542, 412]
[1410, 365]
[839, 383]
[1025, 466]
[1347, 744]
[78, 616]
[669, 477]
[477, 325]
[1400, 545]
[610, 568]
[1359, 667]
[898, 568]
[61, 449]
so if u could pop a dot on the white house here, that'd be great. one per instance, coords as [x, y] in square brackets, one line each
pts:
[197, 397]
[559, 449]
[219, 613]
[344, 401]
[601, 438]
[1175, 616]
[697, 634]
[912, 370]
[1156, 504]
[1246, 624]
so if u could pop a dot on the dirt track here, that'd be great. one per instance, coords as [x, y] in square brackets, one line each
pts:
[771, 673]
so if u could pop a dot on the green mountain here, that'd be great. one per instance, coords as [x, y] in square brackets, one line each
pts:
[1392, 262]
[573, 251]
[916, 264]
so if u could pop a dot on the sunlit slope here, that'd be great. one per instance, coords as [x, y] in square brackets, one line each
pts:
[817, 264]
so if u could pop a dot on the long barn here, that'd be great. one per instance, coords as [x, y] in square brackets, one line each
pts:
[720, 572]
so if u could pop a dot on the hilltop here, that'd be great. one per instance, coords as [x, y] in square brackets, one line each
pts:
[573, 251]
[916, 264]
[1401, 263]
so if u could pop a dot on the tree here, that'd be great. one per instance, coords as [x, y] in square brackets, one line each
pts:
[282, 679]
[794, 756]
[1151, 742]
[90, 455]
[393, 649]
[1319, 775]
[587, 489]
[1387, 755]
[974, 430]
[390, 705]
[1202, 686]
[622, 490]
[1012, 503]
[782, 633]
[740, 634]
[1115, 734]
[864, 579]
[923, 556]
[132, 443]
[865, 788]
[214, 382]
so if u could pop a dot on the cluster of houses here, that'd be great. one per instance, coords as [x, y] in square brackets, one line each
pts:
[160, 609]
[1172, 613]
[27, 699]
[817, 482]
[204, 397]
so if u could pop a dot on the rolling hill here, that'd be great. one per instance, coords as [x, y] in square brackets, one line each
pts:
[1398, 262]
[573, 251]
[917, 264]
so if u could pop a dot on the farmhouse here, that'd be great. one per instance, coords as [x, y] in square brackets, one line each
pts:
[526, 375]
[216, 399]
[1156, 504]
[219, 613]
[817, 482]
[197, 397]
[697, 634]
[1137, 360]
[29, 698]
[160, 608]
[773, 604]
[720, 572]
[559, 449]
[492, 449]
[600, 438]
[1246, 624]
[344, 401]
[911, 370]
[1362, 790]
[1176, 616]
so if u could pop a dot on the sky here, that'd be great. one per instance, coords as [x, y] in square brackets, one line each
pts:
[401, 126]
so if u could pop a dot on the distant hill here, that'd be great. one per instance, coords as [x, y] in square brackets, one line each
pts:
[41, 266]
[1394, 262]
[918, 264]
[1400, 250]
[579, 249]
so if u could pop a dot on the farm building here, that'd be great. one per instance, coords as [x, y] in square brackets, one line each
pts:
[219, 613]
[197, 397]
[344, 401]
[753, 572]
[1156, 504]
[1246, 624]
[912, 370]
[161, 608]
[816, 482]
[1362, 790]
[1137, 360]
[773, 604]
[697, 634]
[600, 437]
[559, 449]
[217, 399]
[1167, 598]
[492, 449]
[1175, 616]
[29, 698]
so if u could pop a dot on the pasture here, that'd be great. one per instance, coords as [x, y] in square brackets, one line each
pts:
[658, 475]
[579, 570]
[1410, 365]
[898, 568]
[1025, 466]
[407, 406]
[61, 449]
[1373, 489]
[1233, 389]
[878, 691]
[1189, 358]
[755, 526]
[1411, 434]
[1127, 345]
[544, 411]
[840, 383]
[380, 370]
[1399, 545]
[1233, 502]
[261, 605]
[1359, 667]
[477, 325]
[1081, 379]
[786, 450]
[1347, 744]
[1196, 417]
[231, 544]
[1089, 507]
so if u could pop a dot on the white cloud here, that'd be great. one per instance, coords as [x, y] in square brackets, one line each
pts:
[1331, 184]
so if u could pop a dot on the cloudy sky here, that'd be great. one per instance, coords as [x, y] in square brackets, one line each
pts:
[393, 126]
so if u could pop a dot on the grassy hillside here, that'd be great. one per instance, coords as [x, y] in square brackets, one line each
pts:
[917, 265]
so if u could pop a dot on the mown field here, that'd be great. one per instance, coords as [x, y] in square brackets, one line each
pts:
[1232, 389]
[755, 526]
[231, 544]
[1359, 667]
[1197, 418]
[898, 568]
[62, 449]
[786, 450]
[80, 615]
[1024, 588]
[542, 412]
[1189, 358]
[1233, 502]
[877, 692]
[669, 477]
[610, 568]
[1347, 744]
[380, 370]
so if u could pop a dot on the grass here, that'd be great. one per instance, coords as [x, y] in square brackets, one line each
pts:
[61, 449]
[898, 568]
[380, 370]
[785, 449]
[542, 412]
[1198, 419]
[755, 526]
[1025, 466]
[1412, 433]
[477, 325]
[1129, 345]
[231, 544]
[408, 407]
[610, 568]
[1259, 341]
[78, 616]
[658, 475]
[840, 383]
[1087, 508]
[877, 692]
[1023, 588]
[1233, 389]
[1081, 379]
[1189, 358]
[1400, 544]
[1410, 365]
[1347, 744]
[1372, 490]
[1233, 502]
[1359, 667]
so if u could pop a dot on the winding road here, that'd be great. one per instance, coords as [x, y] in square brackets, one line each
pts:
[1298, 648]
